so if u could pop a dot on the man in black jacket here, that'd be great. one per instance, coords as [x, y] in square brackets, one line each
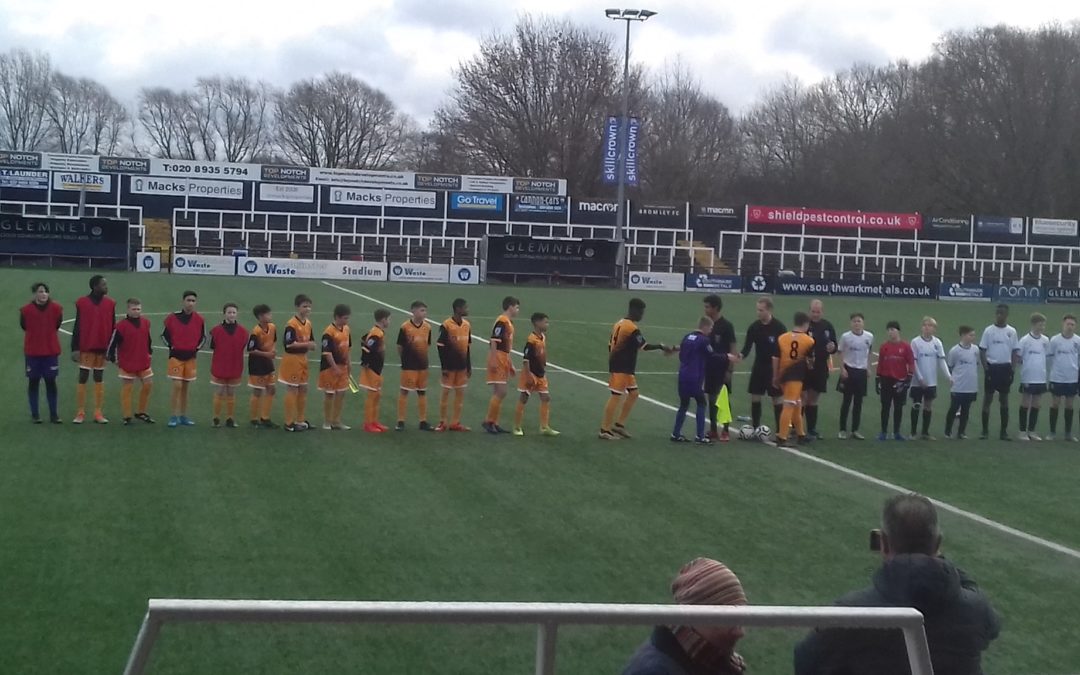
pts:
[959, 621]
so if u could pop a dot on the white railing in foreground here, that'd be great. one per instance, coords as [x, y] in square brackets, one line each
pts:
[546, 616]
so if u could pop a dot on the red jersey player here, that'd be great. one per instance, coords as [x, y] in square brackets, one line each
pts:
[228, 341]
[95, 317]
[130, 349]
[40, 320]
[184, 334]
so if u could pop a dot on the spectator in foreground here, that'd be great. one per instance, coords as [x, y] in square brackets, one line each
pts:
[960, 623]
[695, 650]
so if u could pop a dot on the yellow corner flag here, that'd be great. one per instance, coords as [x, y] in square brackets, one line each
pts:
[723, 408]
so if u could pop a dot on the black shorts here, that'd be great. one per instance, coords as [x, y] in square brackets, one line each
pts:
[898, 388]
[855, 383]
[761, 383]
[998, 378]
[817, 379]
[715, 381]
[1033, 389]
[920, 394]
[963, 397]
[1066, 389]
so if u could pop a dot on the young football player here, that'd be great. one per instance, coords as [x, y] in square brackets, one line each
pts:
[455, 358]
[261, 348]
[896, 365]
[1034, 349]
[929, 356]
[855, 347]
[534, 377]
[95, 318]
[184, 335]
[790, 370]
[413, 343]
[998, 347]
[372, 359]
[623, 346]
[228, 342]
[963, 362]
[131, 349]
[298, 341]
[500, 368]
[1064, 373]
[334, 368]
[40, 320]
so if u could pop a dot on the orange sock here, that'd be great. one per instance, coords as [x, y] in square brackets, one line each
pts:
[328, 409]
[217, 405]
[494, 408]
[376, 398]
[99, 396]
[80, 398]
[267, 405]
[290, 406]
[797, 420]
[230, 406]
[174, 400]
[125, 398]
[787, 415]
[628, 405]
[609, 412]
[301, 406]
[444, 405]
[402, 406]
[144, 396]
[255, 405]
[421, 405]
[459, 405]
[545, 414]
[519, 413]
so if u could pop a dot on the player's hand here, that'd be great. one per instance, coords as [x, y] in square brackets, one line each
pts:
[843, 373]
[831, 347]
[877, 386]
[734, 358]
[75, 357]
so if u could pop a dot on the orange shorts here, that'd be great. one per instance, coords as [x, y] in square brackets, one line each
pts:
[141, 375]
[333, 383]
[414, 380]
[792, 391]
[621, 383]
[501, 370]
[294, 371]
[183, 370]
[455, 379]
[92, 361]
[370, 380]
[226, 381]
[532, 385]
[261, 381]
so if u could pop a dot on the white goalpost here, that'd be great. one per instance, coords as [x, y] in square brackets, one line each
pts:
[547, 617]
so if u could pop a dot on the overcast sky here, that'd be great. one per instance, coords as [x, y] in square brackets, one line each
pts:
[409, 48]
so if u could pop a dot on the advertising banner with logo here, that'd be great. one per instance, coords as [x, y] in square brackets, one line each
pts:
[57, 161]
[420, 272]
[1053, 232]
[858, 289]
[966, 292]
[210, 265]
[538, 208]
[276, 173]
[758, 283]
[73, 237]
[476, 205]
[567, 257]
[1019, 294]
[658, 215]
[1063, 295]
[180, 187]
[436, 181]
[610, 157]
[296, 268]
[20, 160]
[999, 229]
[538, 186]
[362, 178]
[191, 168]
[398, 199]
[136, 165]
[496, 184]
[713, 283]
[90, 182]
[280, 192]
[24, 179]
[946, 228]
[593, 211]
[465, 274]
[632, 139]
[716, 215]
[148, 261]
[654, 281]
[799, 216]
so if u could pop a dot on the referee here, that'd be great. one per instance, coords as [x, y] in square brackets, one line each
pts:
[718, 368]
[817, 379]
[998, 349]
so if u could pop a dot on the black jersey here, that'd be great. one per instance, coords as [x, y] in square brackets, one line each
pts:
[721, 340]
[823, 333]
[762, 338]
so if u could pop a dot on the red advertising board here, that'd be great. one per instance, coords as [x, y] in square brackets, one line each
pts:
[797, 216]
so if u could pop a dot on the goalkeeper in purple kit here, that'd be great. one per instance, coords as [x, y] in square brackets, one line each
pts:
[694, 353]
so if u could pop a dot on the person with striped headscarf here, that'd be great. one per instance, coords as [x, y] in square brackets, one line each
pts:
[695, 650]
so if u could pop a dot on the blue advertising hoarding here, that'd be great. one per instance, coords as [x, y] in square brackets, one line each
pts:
[610, 155]
[713, 283]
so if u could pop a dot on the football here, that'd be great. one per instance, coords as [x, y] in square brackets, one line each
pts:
[762, 433]
[746, 432]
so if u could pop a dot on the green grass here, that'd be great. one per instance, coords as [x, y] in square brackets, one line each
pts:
[95, 520]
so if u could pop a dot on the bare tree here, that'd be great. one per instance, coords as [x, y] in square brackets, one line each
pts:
[163, 115]
[83, 116]
[24, 87]
[339, 121]
[237, 117]
[533, 101]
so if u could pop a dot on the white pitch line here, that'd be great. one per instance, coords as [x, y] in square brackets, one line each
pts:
[974, 517]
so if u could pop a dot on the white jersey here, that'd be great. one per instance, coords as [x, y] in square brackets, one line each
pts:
[1033, 351]
[999, 343]
[1064, 354]
[855, 349]
[929, 354]
[964, 364]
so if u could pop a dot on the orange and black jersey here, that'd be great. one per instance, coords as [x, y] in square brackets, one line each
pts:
[261, 340]
[414, 342]
[454, 345]
[536, 354]
[623, 347]
[373, 354]
[296, 331]
[796, 355]
[336, 342]
[502, 334]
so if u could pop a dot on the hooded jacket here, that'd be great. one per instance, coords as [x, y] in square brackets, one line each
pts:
[663, 655]
[959, 622]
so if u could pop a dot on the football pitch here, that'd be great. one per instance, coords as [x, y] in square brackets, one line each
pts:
[96, 519]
